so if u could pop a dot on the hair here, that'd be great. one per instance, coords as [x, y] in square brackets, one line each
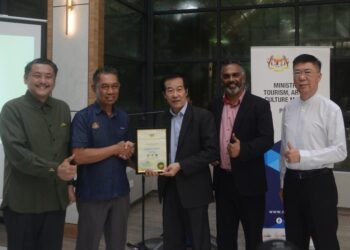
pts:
[173, 76]
[46, 61]
[230, 61]
[103, 70]
[306, 58]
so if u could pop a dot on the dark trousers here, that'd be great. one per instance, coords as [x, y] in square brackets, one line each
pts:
[34, 231]
[232, 208]
[310, 204]
[108, 217]
[181, 223]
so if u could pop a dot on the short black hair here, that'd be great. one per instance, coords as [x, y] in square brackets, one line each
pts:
[306, 58]
[173, 76]
[103, 70]
[231, 61]
[46, 61]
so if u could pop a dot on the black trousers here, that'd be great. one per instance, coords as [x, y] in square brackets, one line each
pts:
[181, 224]
[310, 205]
[42, 231]
[233, 208]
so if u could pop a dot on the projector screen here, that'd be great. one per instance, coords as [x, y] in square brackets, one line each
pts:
[19, 44]
[21, 40]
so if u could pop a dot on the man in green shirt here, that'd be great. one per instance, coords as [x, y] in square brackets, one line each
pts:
[34, 129]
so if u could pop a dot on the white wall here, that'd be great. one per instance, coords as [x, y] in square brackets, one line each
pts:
[342, 180]
[70, 53]
[2, 156]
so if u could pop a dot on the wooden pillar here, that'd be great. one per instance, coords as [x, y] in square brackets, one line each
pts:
[96, 41]
[49, 28]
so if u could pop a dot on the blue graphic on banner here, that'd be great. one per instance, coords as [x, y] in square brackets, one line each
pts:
[274, 214]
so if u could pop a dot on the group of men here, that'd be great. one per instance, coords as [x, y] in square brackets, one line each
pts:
[38, 138]
[44, 151]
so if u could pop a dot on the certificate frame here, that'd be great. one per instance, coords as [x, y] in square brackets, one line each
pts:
[151, 150]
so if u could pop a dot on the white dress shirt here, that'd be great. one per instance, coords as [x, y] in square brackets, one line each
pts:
[316, 128]
[176, 123]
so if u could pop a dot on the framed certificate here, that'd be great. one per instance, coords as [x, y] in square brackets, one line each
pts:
[151, 150]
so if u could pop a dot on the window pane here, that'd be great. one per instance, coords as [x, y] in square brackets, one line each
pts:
[330, 25]
[256, 27]
[326, 25]
[141, 121]
[201, 79]
[228, 3]
[27, 8]
[185, 36]
[340, 89]
[123, 31]
[182, 4]
[137, 3]
[131, 95]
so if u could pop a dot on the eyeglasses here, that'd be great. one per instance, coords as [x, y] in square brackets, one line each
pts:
[306, 73]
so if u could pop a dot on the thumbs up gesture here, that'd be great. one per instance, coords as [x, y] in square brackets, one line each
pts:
[292, 155]
[234, 147]
[67, 169]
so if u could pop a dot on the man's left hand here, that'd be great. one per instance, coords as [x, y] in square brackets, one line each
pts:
[234, 147]
[171, 170]
[292, 155]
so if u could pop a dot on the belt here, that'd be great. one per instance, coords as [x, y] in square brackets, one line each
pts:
[305, 174]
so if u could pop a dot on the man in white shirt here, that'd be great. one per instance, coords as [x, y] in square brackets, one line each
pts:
[313, 139]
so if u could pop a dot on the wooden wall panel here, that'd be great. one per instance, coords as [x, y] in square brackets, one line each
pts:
[96, 40]
[49, 28]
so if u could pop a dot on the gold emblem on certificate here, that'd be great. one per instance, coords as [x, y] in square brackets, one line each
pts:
[151, 150]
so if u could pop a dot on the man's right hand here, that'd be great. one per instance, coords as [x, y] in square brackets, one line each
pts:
[149, 172]
[125, 150]
[67, 170]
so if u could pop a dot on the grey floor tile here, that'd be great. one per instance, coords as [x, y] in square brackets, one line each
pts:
[153, 226]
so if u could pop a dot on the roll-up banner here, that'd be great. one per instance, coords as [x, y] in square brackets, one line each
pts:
[272, 79]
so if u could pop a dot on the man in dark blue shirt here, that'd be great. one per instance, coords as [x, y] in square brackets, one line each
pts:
[100, 142]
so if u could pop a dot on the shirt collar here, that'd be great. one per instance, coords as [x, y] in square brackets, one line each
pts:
[181, 112]
[308, 101]
[236, 104]
[99, 110]
[36, 103]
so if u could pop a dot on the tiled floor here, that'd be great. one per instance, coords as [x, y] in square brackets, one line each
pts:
[153, 226]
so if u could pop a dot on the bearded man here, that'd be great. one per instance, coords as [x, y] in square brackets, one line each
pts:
[245, 132]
